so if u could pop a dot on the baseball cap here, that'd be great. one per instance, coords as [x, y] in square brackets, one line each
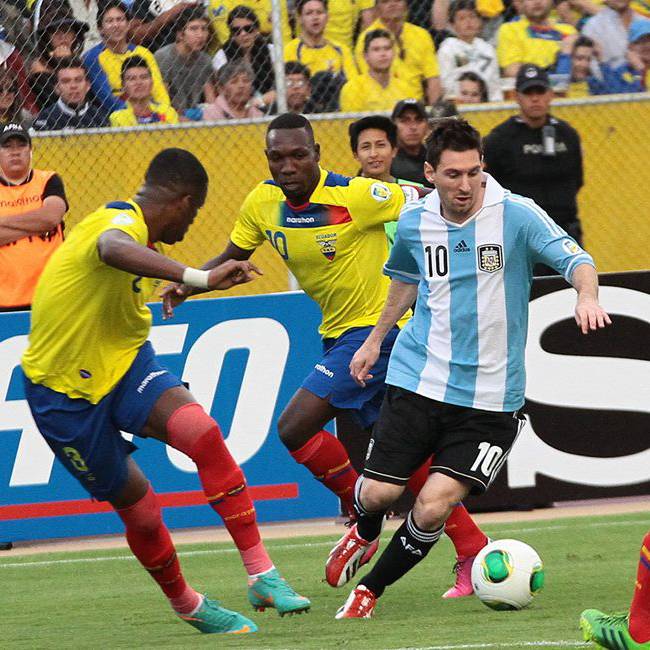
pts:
[639, 29]
[14, 131]
[531, 76]
[409, 105]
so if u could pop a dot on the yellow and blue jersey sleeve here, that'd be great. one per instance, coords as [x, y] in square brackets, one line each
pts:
[372, 203]
[248, 232]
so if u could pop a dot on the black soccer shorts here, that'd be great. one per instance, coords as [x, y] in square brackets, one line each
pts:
[470, 445]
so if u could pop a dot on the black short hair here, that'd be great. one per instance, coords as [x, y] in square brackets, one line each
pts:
[452, 133]
[134, 61]
[372, 35]
[582, 41]
[69, 62]
[242, 11]
[300, 5]
[295, 67]
[379, 122]
[476, 78]
[291, 121]
[462, 5]
[106, 6]
[187, 15]
[179, 171]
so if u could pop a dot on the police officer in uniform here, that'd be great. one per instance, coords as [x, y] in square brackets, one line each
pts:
[537, 155]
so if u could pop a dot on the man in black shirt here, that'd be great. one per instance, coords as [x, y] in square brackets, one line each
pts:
[537, 155]
[75, 108]
[411, 120]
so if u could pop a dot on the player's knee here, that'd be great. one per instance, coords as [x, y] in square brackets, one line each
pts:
[144, 516]
[431, 511]
[292, 433]
[191, 430]
[375, 496]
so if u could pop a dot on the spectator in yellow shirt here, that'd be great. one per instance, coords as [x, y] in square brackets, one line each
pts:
[140, 105]
[312, 48]
[379, 88]
[104, 61]
[416, 61]
[535, 38]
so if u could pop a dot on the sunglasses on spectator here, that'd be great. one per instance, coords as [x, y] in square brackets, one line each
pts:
[246, 29]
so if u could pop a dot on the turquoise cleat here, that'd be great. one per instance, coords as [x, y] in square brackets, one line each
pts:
[609, 631]
[272, 590]
[211, 618]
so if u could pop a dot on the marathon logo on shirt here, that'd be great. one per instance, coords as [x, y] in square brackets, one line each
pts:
[326, 371]
[327, 243]
[148, 379]
[490, 257]
[300, 220]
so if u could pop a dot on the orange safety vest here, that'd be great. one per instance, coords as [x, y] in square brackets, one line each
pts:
[22, 262]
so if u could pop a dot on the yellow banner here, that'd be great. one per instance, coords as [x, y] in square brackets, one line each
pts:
[101, 167]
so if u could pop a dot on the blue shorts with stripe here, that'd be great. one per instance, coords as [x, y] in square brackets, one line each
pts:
[330, 379]
[86, 437]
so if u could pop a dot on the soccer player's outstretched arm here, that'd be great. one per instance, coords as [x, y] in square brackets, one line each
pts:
[589, 314]
[118, 249]
[401, 296]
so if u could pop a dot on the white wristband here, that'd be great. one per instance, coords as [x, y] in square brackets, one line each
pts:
[196, 278]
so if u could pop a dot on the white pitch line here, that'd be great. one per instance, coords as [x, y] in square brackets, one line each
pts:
[517, 644]
[220, 551]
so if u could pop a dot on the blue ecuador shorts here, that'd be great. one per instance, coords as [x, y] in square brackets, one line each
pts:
[330, 379]
[86, 437]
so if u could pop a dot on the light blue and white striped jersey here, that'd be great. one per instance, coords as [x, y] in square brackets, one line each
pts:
[465, 344]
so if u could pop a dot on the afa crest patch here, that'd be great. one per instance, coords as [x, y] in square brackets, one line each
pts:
[571, 247]
[380, 192]
[327, 243]
[490, 257]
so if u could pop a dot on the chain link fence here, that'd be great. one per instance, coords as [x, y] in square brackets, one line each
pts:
[106, 85]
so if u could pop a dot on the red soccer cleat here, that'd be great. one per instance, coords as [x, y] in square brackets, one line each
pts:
[360, 604]
[350, 553]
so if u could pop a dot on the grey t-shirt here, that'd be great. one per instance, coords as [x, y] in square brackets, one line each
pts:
[184, 77]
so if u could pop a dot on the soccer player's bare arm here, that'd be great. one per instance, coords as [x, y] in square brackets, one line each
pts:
[589, 315]
[118, 249]
[401, 296]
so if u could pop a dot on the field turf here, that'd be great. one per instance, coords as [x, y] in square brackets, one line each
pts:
[104, 599]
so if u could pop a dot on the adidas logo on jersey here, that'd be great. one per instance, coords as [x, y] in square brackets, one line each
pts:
[461, 247]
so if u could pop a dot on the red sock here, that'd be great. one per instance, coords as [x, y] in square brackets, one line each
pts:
[326, 458]
[467, 537]
[191, 430]
[151, 543]
[640, 608]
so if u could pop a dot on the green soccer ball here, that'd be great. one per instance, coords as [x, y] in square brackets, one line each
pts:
[507, 574]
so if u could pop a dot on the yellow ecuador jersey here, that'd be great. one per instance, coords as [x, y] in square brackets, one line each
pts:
[89, 319]
[331, 57]
[363, 93]
[342, 17]
[158, 113]
[521, 42]
[335, 244]
[218, 11]
[415, 56]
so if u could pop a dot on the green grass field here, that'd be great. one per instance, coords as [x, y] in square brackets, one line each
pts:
[105, 600]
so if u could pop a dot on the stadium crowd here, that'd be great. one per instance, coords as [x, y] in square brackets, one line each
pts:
[95, 63]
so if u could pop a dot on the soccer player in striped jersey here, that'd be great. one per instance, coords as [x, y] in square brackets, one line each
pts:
[624, 631]
[329, 230]
[456, 373]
